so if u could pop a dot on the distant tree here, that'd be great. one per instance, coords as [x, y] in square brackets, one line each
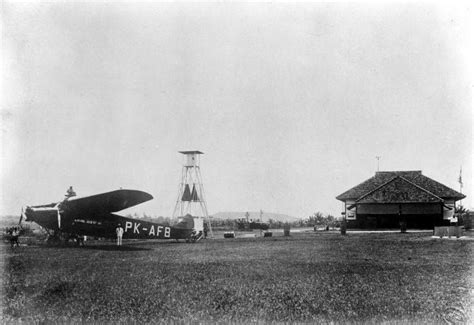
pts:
[461, 210]
[271, 222]
[295, 224]
[317, 219]
[163, 220]
[147, 217]
[242, 224]
[224, 224]
[275, 224]
[464, 217]
[331, 220]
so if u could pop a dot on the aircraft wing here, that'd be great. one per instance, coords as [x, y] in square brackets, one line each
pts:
[105, 202]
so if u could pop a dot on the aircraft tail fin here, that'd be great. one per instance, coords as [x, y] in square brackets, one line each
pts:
[186, 222]
[194, 224]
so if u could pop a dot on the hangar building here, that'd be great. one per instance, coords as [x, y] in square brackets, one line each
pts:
[390, 197]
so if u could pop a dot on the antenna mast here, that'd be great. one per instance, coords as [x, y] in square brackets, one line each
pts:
[460, 182]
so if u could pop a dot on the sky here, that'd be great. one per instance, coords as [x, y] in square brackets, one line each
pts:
[290, 103]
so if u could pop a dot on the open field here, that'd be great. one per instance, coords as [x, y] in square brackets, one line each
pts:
[308, 277]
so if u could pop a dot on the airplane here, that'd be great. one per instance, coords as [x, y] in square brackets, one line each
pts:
[75, 217]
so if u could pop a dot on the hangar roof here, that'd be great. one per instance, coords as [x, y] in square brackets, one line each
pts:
[413, 176]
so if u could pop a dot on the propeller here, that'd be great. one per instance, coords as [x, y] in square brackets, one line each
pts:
[59, 219]
[59, 214]
[22, 215]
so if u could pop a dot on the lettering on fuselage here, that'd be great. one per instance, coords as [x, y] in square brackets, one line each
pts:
[89, 222]
[156, 231]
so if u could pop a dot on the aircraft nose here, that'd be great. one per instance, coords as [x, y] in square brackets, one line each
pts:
[28, 213]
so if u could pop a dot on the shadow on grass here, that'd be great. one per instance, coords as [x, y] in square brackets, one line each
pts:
[114, 248]
[100, 247]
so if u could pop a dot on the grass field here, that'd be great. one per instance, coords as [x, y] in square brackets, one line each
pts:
[308, 277]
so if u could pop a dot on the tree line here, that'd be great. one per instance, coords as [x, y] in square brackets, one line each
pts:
[317, 219]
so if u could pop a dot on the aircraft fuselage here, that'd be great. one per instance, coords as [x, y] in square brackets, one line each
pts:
[93, 216]
[105, 226]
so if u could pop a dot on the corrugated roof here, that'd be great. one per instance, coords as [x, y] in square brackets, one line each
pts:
[414, 176]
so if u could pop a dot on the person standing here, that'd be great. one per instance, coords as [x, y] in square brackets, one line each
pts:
[119, 232]
[15, 233]
[70, 192]
[454, 220]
